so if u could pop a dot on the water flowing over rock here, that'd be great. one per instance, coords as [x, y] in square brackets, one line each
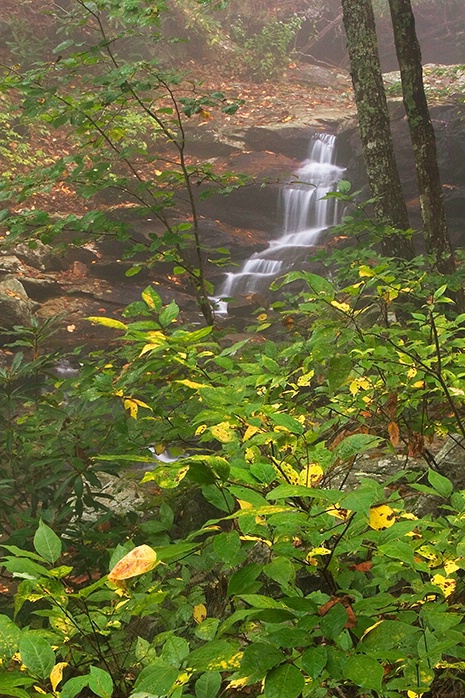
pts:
[306, 213]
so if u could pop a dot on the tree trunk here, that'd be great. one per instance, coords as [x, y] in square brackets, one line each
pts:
[375, 130]
[422, 135]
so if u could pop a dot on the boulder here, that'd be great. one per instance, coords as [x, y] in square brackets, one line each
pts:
[15, 306]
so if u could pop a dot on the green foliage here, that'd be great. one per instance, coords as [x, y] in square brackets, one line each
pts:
[124, 118]
[300, 581]
[266, 54]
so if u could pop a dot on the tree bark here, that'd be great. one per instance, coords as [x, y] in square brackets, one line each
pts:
[375, 131]
[422, 135]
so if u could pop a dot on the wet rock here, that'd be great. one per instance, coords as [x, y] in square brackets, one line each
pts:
[15, 306]
[10, 264]
[40, 289]
[40, 256]
[450, 460]
[317, 76]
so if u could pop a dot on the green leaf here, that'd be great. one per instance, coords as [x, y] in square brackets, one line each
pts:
[332, 624]
[219, 497]
[25, 568]
[100, 682]
[74, 686]
[365, 672]
[314, 661]
[243, 581]
[339, 367]
[11, 681]
[258, 659]
[281, 570]
[285, 680]
[441, 484]
[9, 638]
[157, 678]
[36, 654]
[355, 445]
[286, 491]
[288, 422]
[360, 500]
[208, 685]
[208, 629]
[344, 186]
[399, 551]
[227, 545]
[47, 543]
[168, 314]
[217, 655]
[174, 651]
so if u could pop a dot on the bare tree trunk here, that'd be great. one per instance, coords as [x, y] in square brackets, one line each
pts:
[375, 130]
[422, 135]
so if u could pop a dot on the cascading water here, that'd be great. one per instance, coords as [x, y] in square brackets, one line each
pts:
[305, 215]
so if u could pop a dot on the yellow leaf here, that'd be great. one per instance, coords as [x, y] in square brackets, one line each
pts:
[339, 512]
[249, 432]
[192, 384]
[57, 674]
[244, 505]
[200, 429]
[132, 405]
[311, 475]
[223, 432]
[446, 584]
[365, 271]
[359, 384]
[305, 378]
[310, 557]
[291, 475]
[345, 307]
[199, 613]
[140, 560]
[381, 517]
[450, 566]
[428, 553]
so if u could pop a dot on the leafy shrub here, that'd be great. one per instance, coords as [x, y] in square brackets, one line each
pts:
[300, 582]
[266, 54]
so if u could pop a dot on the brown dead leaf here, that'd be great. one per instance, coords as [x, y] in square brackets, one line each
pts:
[394, 433]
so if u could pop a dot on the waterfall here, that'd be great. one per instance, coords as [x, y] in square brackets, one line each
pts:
[305, 216]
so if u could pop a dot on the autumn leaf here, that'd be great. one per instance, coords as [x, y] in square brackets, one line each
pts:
[140, 560]
[362, 566]
[199, 613]
[311, 475]
[56, 674]
[394, 433]
[381, 517]
[446, 584]
[339, 512]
